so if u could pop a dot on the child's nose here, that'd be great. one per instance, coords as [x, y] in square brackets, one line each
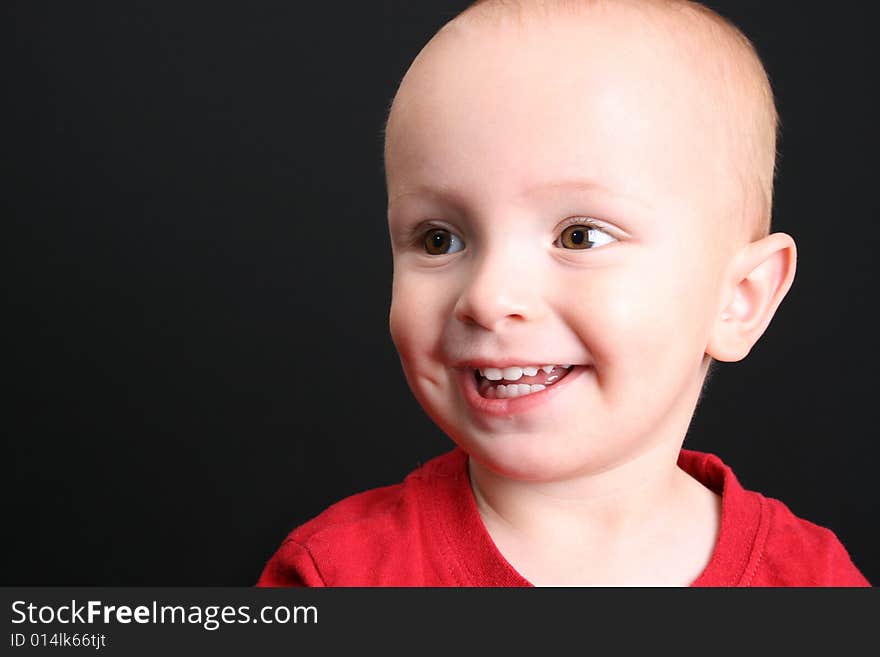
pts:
[498, 289]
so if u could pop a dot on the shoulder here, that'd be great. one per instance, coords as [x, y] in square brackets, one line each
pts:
[797, 552]
[368, 538]
[761, 542]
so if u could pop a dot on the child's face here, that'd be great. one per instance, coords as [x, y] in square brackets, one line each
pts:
[498, 141]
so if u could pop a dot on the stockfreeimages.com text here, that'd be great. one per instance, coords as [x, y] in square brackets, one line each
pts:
[211, 617]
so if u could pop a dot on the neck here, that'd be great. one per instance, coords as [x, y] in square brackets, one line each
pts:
[601, 503]
[599, 527]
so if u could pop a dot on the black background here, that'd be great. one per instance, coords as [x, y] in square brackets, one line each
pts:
[197, 281]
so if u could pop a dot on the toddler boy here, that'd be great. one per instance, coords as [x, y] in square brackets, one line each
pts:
[579, 199]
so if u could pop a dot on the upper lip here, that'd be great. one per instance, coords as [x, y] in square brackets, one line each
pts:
[482, 363]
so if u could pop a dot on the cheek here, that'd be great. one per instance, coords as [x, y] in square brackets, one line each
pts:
[647, 315]
[415, 317]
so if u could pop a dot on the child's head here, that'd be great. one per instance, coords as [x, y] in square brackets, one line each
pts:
[584, 183]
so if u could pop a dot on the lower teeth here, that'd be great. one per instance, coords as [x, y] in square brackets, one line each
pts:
[512, 390]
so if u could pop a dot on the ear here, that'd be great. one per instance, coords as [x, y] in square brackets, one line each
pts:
[759, 278]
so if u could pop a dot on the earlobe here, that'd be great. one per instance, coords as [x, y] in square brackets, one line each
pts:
[760, 277]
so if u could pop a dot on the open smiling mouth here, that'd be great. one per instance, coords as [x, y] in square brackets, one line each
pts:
[510, 382]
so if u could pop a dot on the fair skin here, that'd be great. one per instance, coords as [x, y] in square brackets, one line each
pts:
[496, 156]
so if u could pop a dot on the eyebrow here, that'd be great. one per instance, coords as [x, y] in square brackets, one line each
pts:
[573, 184]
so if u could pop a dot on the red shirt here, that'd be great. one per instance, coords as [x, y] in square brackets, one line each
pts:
[427, 531]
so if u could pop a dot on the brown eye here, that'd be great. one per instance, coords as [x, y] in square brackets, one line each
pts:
[439, 241]
[576, 237]
[581, 236]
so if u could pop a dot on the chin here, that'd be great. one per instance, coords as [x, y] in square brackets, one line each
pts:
[524, 457]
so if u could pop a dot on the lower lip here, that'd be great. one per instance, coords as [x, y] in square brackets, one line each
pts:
[516, 405]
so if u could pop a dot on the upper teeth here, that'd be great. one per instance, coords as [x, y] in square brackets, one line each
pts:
[515, 373]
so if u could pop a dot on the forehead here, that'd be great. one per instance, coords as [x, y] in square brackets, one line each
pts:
[518, 105]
